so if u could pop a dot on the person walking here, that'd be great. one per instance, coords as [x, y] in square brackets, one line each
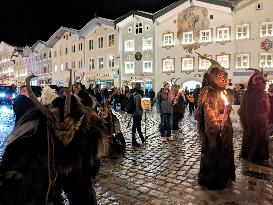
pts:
[165, 98]
[137, 116]
[191, 103]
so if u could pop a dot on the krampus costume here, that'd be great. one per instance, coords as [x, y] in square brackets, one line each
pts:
[53, 149]
[254, 111]
[116, 139]
[178, 107]
[217, 155]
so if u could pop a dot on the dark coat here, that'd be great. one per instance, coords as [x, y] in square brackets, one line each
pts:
[21, 105]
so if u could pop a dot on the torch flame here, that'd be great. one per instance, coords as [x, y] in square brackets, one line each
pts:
[224, 97]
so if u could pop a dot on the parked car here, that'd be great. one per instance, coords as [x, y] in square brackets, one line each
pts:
[7, 94]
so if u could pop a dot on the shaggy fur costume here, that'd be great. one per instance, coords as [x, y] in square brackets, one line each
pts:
[36, 162]
[254, 111]
[217, 155]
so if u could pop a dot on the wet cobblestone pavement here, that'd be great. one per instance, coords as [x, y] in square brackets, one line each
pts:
[166, 173]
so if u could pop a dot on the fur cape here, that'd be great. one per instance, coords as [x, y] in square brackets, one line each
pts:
[37, 166]
[217, 155]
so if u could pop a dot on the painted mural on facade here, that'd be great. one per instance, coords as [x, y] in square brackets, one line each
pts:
[193, 19]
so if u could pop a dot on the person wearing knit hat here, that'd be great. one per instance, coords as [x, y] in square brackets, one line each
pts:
[165, 98]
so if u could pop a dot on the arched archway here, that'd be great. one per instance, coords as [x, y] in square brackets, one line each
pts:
[191, 84]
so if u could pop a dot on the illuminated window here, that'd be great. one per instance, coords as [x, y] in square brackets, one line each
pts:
[187, 64]
[111, 40]
[223, 34]
[204, 64]
[242, 61]
[147, 43]
[188, 37]
[168, 39]
[129, 67]
[129, 45]
[168, 65]
[266, 60]
[100, 61]
[223, 60]
[242, 31]
[205, 36]
[266, 29]
[111, 62]
[147, 67]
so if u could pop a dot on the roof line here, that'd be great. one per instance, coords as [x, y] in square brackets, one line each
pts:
[134, 12]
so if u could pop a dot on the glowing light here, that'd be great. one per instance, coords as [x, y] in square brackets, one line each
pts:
[224, 97]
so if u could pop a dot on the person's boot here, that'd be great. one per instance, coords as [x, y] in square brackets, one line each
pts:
[142, 139]
[134, 142]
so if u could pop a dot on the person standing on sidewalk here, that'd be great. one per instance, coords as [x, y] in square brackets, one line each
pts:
[165, 98]
[137, 116]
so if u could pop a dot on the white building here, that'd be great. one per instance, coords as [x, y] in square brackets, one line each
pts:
[6, 63]
[67, 50]
[20, 58]
[183, 28]
[101, 52]
[137, 48]
[254, 36]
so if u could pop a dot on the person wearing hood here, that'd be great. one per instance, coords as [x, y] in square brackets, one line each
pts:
[137, 116]
[22, 104]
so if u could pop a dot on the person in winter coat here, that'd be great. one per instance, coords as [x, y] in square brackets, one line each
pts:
[22, 104]
[137, 116]
[165, 98]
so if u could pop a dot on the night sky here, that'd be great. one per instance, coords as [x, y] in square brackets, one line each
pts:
[24, 22]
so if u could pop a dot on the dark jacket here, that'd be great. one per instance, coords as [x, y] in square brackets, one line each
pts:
[137, 97]
[21, 105]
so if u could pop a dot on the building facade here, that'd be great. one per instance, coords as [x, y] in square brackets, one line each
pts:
[101, 53]
[184, 28]
[21, 65]
[6, 63]
[137, 49]
[254, 37]
[67, 52]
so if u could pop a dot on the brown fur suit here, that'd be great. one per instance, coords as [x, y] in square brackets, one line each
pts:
[217, 155]
[254, 111]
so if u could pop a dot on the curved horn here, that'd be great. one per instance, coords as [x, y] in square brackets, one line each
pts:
[176, 80]
[209, 59]
[38, 104]
[68, 97]
[254, 69]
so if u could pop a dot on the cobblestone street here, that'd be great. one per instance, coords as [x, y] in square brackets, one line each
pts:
[166, 173]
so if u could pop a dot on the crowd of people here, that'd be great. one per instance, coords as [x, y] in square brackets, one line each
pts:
[80, 124]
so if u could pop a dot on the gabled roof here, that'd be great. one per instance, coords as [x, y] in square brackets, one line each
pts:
[243, 3]
[96, 22]
[26, 51]
[132, 13]
[37, 46]
[178, 3]
[58, 34]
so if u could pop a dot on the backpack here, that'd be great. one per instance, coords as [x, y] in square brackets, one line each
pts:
[131, 104]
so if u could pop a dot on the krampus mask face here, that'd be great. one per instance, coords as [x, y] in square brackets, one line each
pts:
[63, 124]
[257, 80]
[216, 74]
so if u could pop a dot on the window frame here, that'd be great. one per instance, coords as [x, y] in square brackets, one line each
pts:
[170, 71]
[112, 61]
[200, 61]
[267, 33]
[267, 54]
[125, 67]
[241, 56]
[210, 36]
[229, 56]
[139, 27]
[184, 38]
[247, 33]
[182, 64]
[223, 28]
[99, 63]
[172, 39]
[126, 48]
[147, 71]
[147, 48]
